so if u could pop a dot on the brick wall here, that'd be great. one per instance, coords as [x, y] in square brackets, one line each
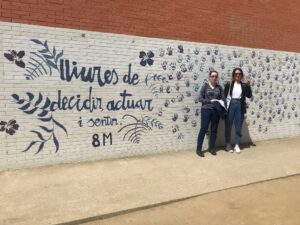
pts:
[258, 24]
[63, 92]
[51, 100]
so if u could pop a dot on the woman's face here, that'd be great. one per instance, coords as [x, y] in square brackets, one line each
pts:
[213, 77]
[237, 75]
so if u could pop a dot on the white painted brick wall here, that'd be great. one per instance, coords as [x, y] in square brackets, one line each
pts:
[273, 112]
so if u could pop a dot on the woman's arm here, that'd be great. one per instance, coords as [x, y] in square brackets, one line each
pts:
[202, 98]
[226, 89]
[248, 91]
[222, 97]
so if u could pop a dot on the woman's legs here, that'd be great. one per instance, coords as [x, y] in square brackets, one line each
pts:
[235, 114]
[214, 128]
[229, 122]
[205, 118]
[238, 123]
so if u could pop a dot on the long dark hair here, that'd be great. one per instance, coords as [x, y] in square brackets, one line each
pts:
[235, 69]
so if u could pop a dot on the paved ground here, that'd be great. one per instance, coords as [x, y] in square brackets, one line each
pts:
[89, 191]
[275, 202]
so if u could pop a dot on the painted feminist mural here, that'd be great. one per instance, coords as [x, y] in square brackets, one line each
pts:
[73, 96]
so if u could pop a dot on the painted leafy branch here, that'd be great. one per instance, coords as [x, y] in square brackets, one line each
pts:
[134, 131]
[154, 82]
[155, 77]
[152, 122]
[43, 61]
[40, 107]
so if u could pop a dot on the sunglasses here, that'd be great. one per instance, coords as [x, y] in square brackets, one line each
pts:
[214, 76]
[237, 73]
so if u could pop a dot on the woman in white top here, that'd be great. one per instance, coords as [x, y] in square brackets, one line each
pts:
[237, 91]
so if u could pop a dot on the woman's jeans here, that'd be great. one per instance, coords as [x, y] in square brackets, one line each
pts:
[208, 116]
[234, 114]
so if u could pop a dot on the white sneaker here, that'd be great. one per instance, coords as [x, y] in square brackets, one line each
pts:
[237, 149]
[229, 148]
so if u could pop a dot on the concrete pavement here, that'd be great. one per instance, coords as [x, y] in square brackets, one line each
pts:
[77, 193]
[265, 203]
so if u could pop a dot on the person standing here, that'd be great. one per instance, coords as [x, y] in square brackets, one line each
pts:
[210, 93]
[236, 91]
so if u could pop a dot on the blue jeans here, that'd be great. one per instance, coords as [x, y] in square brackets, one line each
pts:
[208, 116]
[234, 114]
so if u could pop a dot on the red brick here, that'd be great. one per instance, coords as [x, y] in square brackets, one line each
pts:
[259, 24]
[5, 19]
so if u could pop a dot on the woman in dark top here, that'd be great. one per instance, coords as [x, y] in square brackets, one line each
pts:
[237, 91]
[210, 93]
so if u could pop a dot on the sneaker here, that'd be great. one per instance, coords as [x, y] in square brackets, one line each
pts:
[237, 149]
[229, 148]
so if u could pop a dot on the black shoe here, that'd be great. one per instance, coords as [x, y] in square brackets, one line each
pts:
[212, 152]
[200, 153]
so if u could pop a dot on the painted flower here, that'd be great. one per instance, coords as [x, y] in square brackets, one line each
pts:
[16, 57]
[10, 127]
[146, 58]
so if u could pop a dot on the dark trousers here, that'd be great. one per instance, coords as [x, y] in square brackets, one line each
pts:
[235, 115]
[208, 116]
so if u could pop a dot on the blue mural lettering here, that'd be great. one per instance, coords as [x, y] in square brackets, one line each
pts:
[87, 75]
[96, 142]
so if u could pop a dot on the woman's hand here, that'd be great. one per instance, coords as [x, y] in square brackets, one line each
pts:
[214, 100]
[248, 80]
